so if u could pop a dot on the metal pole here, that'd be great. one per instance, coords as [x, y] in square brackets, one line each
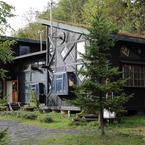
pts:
[47, 53]
[51, 21]
[47, 62]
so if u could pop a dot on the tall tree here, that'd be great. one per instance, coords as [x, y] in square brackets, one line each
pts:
[69, 10]
[31, 30]
[94, 92]
[5, 51]
[5, 13]
[134, 18]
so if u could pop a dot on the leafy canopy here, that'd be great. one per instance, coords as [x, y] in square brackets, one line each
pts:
[5, 50]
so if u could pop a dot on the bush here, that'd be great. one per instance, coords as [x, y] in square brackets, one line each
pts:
[80, 122]
[29, 115]
[10, 113]
[3, 134]
[29, 107]
[46, 119]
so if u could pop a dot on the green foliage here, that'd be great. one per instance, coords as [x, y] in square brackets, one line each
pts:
[3, 136]
[5, 54]
[34, 101]
[5, 50]
[97, 68]
[46, 119]
[3, 101]
[93, 139]
[69, 10]
[127, 15]
[134, 18]
[28, 115]
[33, 28]
[102, 80]
[129, 122]
[5, 12]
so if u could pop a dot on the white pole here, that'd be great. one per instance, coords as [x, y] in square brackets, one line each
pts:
[51, 21]
[40, 33]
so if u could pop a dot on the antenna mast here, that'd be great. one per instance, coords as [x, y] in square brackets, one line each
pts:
[51, 21]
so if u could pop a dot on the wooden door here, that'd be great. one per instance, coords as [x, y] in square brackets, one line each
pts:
[14, 91]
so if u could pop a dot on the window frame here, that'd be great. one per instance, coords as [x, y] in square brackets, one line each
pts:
[78, 56]
[136, 74]
[24, 49]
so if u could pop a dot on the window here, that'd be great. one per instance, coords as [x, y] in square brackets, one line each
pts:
[125, 51]
[79, 67]
[59, 84]
[80, 49]
[62, 83]
[24, 50]
[135, 75]
[64, 51]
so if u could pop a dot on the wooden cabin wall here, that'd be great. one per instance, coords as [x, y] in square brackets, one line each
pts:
[135, 57]
[65, 64]
[70, 42]
[21, 70]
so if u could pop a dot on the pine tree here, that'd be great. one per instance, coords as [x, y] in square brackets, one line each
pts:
[102, 80]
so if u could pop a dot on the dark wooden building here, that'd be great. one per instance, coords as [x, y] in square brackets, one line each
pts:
[51, 71]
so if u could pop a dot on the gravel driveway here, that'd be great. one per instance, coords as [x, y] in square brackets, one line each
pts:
[21, 133]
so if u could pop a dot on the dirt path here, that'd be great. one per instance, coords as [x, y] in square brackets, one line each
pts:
[20, 133]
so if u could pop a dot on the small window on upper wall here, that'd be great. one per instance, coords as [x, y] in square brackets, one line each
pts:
[24, 50]
[64, 51]
[125, 51]
[80, 49]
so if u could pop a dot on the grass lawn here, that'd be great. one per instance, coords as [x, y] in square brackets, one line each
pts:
[130, 132]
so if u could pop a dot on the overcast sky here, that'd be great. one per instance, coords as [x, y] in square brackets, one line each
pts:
[22, 7]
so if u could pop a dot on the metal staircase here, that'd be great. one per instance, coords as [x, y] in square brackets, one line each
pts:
[14, 106]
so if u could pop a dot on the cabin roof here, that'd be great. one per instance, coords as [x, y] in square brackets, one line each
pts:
[63, 26]
[127, 38]
[120, 36]
[21, 39]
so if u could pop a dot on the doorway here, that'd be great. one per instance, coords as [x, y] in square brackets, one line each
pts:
[12, 91]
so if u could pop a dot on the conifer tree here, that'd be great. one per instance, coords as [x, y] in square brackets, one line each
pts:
[101, 79]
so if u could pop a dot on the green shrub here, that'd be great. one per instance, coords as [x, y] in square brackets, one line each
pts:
[3, 134]
[46, 119]
[28, 115]
[80, 122]
[10, 113]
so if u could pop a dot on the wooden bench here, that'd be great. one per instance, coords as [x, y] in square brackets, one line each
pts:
[68, 109]
[86, 117]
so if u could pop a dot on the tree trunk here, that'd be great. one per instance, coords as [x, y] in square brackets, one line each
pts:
[100, 120]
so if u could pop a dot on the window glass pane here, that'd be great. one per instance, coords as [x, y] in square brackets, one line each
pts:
[59, 76]
[80, 49]
[135, 73]
[24, 50]
[59, 87]
[65, 83]
[79, 67]
[53, 85]
[64, 51]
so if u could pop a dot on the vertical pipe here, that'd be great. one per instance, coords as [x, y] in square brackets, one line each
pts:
[47, 62]
[51, 21]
